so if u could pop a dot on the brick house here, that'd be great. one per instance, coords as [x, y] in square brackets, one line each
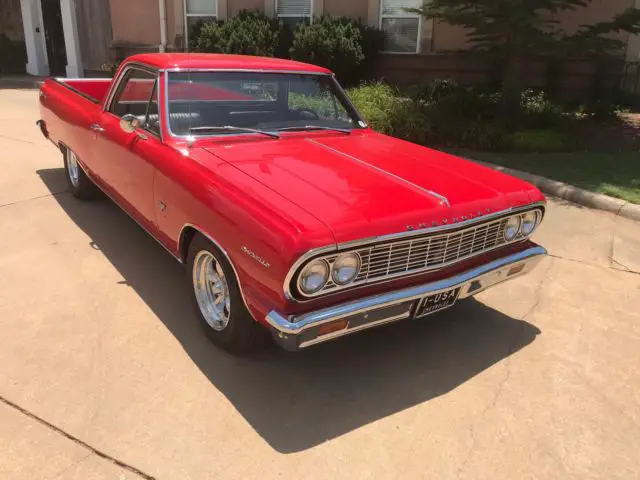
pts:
[74, 37]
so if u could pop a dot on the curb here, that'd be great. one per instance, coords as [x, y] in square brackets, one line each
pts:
[573, 194]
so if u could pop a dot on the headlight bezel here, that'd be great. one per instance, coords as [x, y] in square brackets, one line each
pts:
[320, 262]
[516, 218]
[536, 221]
[335, 268]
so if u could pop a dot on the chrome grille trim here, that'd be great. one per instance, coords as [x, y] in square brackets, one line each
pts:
[411, 253]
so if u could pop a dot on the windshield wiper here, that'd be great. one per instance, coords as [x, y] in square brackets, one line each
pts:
[231, 128]
[314, 127]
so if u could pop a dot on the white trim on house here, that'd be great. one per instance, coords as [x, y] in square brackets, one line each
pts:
[310, 15]
[33, 26]
[71, 40]
[219, 13]
[37, 63]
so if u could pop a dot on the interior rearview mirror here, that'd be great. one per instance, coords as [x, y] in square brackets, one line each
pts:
[129, 123]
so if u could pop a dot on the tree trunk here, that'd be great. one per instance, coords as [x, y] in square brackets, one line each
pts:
[512, 88]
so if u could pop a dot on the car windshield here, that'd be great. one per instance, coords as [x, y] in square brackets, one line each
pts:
[226, 103]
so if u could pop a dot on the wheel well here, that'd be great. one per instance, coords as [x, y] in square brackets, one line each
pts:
[187, 235]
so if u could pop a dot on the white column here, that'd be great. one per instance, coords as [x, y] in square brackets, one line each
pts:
[34, 38]
[71, 40]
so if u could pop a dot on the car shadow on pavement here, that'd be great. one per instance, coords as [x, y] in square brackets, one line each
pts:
[298, 400]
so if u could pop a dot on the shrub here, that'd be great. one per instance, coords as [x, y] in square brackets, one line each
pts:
[436, 90]
[540, 141]
[248, 33]
[539, 112]
[387, 112]
[340, 44]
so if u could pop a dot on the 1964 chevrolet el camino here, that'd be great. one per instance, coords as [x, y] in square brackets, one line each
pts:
[290, 213]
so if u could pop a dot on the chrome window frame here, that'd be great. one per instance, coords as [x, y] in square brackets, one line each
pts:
[330, 250]
[106, 105]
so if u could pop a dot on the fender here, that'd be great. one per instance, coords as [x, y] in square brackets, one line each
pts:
[183, 255]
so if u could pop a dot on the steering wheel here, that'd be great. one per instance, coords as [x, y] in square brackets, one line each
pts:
[309, 111]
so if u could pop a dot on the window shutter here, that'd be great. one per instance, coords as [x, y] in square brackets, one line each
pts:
[294, 8]
[396, 7]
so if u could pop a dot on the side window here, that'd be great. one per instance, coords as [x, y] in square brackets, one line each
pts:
[137, 96]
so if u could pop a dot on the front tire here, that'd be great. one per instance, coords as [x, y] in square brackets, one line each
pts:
[80, 184]
[217, 299]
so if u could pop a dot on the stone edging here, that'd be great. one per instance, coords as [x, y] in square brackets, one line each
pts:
[574, 194]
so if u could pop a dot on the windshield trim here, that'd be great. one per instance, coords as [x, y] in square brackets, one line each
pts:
[340, 93]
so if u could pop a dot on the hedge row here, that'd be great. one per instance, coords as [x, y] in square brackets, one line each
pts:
[345, 46]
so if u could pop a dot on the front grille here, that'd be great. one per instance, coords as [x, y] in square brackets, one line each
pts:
[423, 253]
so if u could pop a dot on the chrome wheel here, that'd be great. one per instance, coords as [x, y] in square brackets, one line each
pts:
[73, 168]
[212, 291]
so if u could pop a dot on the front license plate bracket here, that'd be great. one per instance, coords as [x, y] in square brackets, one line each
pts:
[436, 302]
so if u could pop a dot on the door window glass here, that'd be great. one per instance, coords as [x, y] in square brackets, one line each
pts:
[137, 96]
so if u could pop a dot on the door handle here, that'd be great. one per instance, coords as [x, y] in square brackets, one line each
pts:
[96, 128]
[142, 136]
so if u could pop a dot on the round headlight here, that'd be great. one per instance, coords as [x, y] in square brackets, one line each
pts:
[512, 228]
[313, 277]
[530, 222]
[345, 268]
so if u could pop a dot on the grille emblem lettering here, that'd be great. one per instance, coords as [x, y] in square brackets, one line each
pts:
[445, 221]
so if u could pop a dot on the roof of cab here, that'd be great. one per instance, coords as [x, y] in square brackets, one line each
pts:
[216, 61]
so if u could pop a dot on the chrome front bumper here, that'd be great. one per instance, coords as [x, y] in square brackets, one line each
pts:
[296, 332]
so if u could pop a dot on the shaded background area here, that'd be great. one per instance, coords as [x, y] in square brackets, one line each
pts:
[297, 401]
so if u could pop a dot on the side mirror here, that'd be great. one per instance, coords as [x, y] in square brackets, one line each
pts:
[129, 123]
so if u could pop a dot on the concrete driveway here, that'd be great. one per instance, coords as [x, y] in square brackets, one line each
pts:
[105, 373]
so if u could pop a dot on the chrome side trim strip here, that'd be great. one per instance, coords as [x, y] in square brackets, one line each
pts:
[222, 250]
[91, 79]
[443, 200]
[397, 236]
[295, 325]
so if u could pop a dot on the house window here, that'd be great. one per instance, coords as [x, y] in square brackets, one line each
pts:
[196, 13]
[401, 28]
[293, 12]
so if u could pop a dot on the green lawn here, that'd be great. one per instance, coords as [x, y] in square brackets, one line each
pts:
[614, 174]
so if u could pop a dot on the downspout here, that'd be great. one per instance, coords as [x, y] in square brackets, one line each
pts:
[163, 25]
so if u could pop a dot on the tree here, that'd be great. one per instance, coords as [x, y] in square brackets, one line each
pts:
[512, 30]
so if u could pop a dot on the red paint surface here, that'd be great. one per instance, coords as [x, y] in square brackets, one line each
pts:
[221, 62]
[280, 198]
[95, 88]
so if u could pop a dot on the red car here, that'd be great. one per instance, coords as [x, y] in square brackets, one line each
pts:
[291, 214]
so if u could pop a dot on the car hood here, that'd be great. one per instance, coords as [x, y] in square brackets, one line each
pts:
[367, 184]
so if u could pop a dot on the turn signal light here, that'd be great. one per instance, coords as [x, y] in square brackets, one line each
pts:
[332, 327]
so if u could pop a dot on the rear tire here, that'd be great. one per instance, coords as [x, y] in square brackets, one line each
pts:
[80, 184]
[217, 300]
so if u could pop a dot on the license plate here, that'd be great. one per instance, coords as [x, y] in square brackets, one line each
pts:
[437, 301]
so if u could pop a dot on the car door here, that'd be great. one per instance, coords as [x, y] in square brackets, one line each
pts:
[126, 155]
